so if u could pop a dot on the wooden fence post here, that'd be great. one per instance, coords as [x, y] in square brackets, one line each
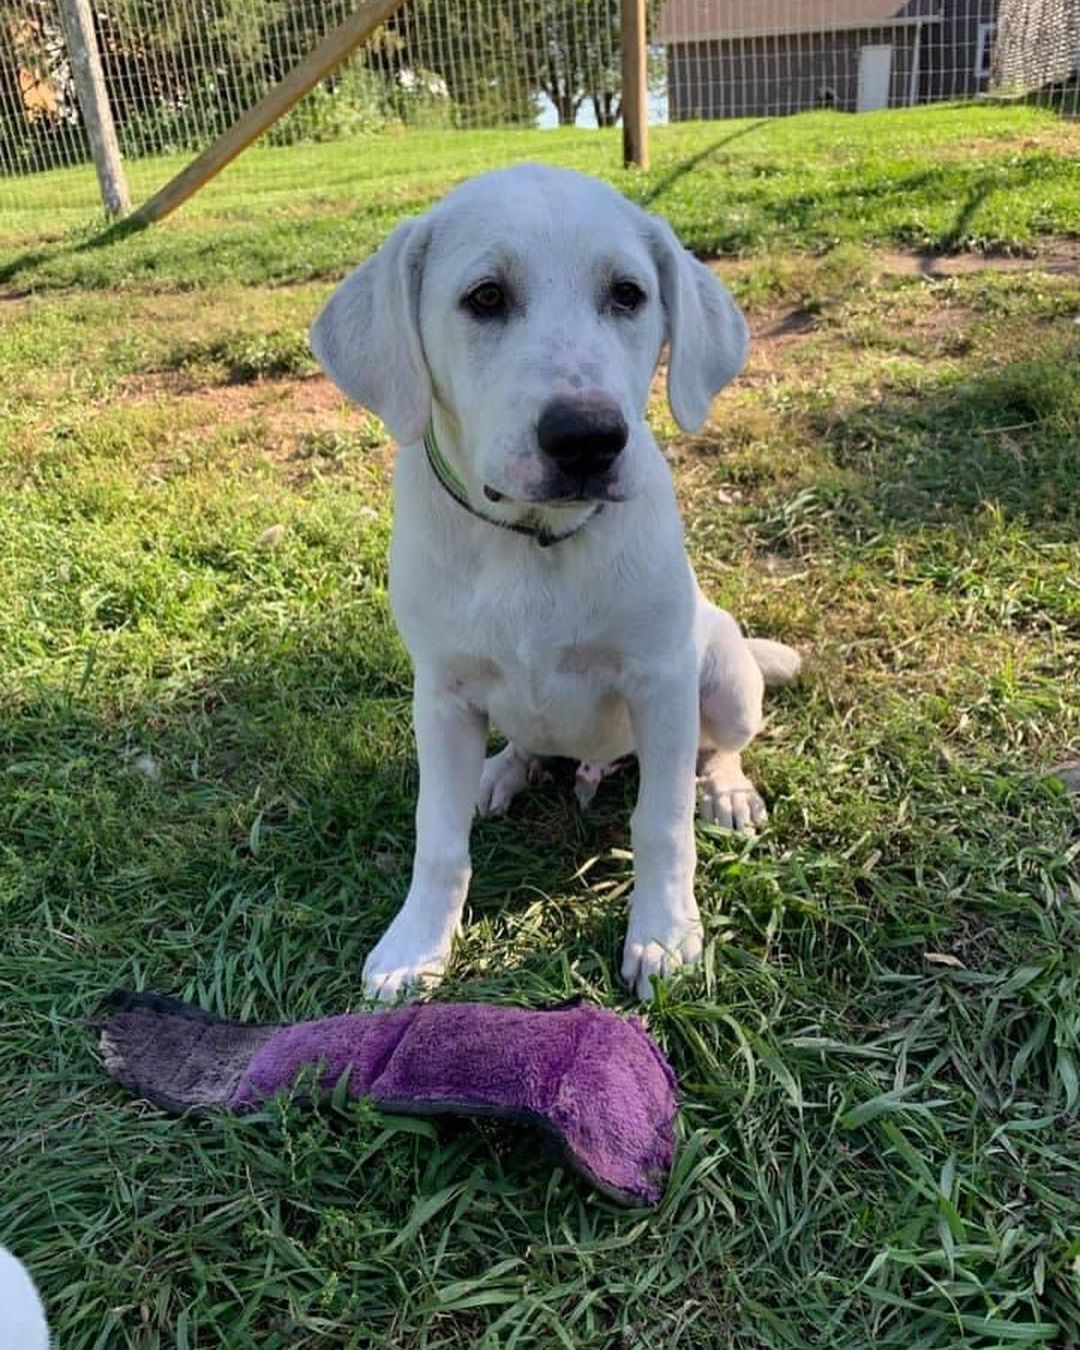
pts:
[635, 85]
[94, 104]
[319, 63]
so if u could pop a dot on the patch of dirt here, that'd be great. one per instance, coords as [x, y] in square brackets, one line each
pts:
[311, 393]
[1059, 137]
[291, 413]
[1061, 257]
[774, 335]
[776, 330]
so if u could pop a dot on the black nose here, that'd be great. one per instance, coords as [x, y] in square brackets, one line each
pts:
[583, 436]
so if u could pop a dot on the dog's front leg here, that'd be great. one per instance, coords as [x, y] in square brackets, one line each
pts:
[450, 738]
[664, 932]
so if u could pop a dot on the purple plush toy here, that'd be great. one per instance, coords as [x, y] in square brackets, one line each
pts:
[594, 1081]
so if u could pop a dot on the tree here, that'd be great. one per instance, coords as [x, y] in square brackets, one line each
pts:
[39, 118]
[497, 57]
[182, 74]
[576, 46]
[580, 55]
[477, 51]
[215, 59]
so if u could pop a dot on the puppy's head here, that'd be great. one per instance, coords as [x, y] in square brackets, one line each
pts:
[532, 305]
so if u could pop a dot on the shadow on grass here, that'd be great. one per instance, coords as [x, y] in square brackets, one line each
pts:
[1007, 437]
[24, 262]
[687, 165]
[1003, 440]
[814, 212]
[774, 204]
[978, 193]
[114, 233]
[245, 843]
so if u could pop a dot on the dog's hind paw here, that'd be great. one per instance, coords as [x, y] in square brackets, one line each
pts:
[504, 776]
[726, 797]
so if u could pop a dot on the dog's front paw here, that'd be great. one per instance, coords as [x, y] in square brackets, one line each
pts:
[404, 962]
[659, 941]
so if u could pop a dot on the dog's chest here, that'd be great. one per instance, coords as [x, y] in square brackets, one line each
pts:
[555, 700]
[542, 666]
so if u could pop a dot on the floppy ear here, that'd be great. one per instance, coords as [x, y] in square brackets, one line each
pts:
[707, 335]
[367, 337]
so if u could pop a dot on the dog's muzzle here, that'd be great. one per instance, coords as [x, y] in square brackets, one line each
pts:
[582, 438]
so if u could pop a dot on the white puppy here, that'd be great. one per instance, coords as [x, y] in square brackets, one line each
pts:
[538, 575]
[22, 1318]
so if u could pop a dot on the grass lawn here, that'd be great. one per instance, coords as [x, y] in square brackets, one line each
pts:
[974, 177]
[207, 774]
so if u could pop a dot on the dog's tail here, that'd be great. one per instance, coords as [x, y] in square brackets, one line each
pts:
[778, 663]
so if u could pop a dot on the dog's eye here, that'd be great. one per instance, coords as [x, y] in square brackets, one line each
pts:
[626, 297]
[487, 301]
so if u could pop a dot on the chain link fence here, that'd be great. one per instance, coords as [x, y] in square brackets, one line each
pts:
[179, 72]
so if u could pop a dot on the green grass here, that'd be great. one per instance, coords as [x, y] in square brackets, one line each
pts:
[736, 187]
[207, 779]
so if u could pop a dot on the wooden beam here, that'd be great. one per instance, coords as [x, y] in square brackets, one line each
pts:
[635, 85]
[319, 63]
[94, 104]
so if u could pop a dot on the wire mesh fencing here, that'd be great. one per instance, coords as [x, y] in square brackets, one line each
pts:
[758, 58]
[180, 72]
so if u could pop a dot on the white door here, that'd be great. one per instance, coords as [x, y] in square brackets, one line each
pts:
[875, 75]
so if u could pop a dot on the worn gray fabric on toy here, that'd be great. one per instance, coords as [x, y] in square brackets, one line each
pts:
[593, 1081]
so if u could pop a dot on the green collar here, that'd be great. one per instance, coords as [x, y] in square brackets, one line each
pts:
[449, 479]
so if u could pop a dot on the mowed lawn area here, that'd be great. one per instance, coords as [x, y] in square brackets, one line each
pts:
[207, 772]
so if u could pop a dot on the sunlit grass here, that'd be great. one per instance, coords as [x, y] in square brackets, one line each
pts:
[208, 778]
